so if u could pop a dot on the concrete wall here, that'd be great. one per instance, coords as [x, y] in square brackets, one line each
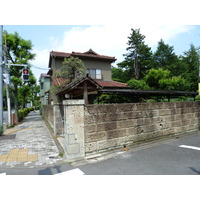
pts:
[112, 126]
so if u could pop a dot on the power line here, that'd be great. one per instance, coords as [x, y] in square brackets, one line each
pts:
[39, 67]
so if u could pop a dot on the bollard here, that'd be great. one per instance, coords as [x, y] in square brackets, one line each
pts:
[13, 118]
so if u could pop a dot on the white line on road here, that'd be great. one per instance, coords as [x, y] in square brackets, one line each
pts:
[3, 174]
[76, 171]
[190, 147]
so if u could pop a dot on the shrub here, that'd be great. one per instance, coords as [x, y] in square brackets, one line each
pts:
[23, 113]
[1, 130]
[138, 84]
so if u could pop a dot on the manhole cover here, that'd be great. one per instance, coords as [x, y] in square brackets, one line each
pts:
[7, 137]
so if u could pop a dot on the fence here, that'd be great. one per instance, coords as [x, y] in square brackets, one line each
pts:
[90, 129]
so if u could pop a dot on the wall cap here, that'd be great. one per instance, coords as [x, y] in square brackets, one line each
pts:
[74, 102]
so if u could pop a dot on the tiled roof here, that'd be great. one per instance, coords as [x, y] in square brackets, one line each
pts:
[58, 81]
[62, 81]
[88, 54]
[112, 84]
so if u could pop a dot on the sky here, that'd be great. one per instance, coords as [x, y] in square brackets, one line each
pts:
[110, 40]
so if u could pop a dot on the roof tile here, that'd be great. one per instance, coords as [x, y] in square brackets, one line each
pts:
[87, 54]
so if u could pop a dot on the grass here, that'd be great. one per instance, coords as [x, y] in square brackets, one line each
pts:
[61, 154]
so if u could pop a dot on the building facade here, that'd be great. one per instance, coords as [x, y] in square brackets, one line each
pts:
[44, 88]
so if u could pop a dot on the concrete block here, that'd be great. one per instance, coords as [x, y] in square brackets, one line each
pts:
[73, 149]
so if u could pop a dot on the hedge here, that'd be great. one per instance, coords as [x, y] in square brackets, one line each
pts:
[23, 113]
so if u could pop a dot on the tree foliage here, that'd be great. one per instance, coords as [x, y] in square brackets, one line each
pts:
[138, 84]
[18, 52]
[154, 76]
[138, 59]
[176, 72]
[72, 68]
[174, 83]
[190, 59]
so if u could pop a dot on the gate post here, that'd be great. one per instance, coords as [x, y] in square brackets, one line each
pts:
[74, 144]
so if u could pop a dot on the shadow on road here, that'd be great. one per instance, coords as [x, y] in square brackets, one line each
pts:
[50, 170]
[194, 170]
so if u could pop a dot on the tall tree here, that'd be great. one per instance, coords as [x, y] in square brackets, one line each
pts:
[138, 59]
[165, 58]
[18, 52]
[191, 59]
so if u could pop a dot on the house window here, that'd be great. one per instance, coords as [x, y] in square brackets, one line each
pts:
[42, 86]
[94, 73]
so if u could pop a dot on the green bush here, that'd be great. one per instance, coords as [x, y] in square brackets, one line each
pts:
[138, 84]
[23, 113]
[197, 98]
[1, 130]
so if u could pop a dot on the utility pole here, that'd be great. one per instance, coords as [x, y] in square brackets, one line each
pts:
[1, 77]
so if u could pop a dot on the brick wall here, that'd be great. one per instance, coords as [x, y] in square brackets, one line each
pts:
[47, 112]
[113, 125]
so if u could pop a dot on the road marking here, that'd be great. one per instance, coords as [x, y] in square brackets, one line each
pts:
[76, 171]
[3, 174]
[190, 147]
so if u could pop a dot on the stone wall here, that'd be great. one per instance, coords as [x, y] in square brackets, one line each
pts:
[114, 125]
[47, 112]
[58, 111]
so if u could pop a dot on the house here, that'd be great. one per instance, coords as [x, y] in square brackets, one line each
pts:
[98, 69]
[98, 66]
[44, 88]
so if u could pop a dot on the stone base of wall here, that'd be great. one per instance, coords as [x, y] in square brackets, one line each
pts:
[115, 125]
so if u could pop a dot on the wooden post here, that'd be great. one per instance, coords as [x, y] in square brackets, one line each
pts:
[85, 94]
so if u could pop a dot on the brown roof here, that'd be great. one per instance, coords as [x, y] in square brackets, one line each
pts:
[76, 86]
[62, 82]
[88, 54]
[58, 81]
[112, 84]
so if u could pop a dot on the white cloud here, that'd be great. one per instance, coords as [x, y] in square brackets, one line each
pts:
[41, 61]
[108, 40]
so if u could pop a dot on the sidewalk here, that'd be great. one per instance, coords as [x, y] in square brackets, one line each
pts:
[29, 145]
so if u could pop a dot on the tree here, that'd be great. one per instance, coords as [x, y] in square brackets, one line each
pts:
[154, 76]
[72, 68]
[161, 79]
[25, 91]
[174, 83]
[119, 74]
[18, 52]
[165, 58]
[191, 59]
[138, 84]
[139, 56]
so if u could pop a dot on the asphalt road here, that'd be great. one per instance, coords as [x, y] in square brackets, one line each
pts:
[158, 158]
[166, 157]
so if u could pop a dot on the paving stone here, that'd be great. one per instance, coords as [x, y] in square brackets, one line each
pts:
[32, 146]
